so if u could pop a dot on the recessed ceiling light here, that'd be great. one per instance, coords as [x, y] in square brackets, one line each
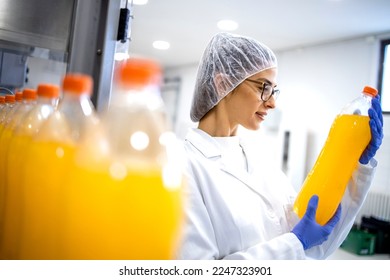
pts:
[227, 25]
[161, 45]
[140, 2]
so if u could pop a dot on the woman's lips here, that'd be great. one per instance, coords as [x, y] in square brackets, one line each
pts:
[261, 115]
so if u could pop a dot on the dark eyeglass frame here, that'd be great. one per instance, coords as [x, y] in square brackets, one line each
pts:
[275, 92]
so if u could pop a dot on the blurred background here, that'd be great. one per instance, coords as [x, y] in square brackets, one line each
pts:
[327, 50]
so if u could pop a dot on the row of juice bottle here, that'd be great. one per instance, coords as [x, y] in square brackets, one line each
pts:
[75, 184]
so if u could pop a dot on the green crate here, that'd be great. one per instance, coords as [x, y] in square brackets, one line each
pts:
[359, 242]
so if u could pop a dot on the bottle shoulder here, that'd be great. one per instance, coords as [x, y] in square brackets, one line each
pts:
[358, 106]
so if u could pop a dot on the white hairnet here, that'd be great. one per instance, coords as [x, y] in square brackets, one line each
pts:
[227, 60]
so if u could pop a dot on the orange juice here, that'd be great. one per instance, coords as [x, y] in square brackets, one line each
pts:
[27, 127]
[13, 206]
[135, 216]
[5, 137]
[42, 192]
[17, 152]
[8, 214]
[347, 139]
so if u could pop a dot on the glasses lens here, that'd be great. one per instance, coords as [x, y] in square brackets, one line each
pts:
[267, 92]
[276, 93]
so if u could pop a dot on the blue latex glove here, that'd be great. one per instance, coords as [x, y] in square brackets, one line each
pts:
[308, 231]
[376, 126]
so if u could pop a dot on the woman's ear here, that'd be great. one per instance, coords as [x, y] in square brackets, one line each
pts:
[220, 85]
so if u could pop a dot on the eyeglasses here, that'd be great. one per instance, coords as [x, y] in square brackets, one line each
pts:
[266, 90]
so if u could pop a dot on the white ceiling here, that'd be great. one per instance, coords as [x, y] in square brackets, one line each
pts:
[280, 24]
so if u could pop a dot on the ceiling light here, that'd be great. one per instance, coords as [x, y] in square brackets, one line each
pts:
[161, 45]
[140, 2]
[227, 25]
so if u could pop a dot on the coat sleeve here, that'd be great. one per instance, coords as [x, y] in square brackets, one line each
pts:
[352, 202]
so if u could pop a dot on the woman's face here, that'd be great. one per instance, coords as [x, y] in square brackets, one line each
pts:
[244, 104]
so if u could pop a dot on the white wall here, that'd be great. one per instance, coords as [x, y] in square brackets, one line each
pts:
[315, 82]
[188, 77]
[43, 70]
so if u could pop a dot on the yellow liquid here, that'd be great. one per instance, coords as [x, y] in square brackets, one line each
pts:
[347, 139]
[13, 204]
[43, 191]
[16, 158]
[136, 217]
[5, 137]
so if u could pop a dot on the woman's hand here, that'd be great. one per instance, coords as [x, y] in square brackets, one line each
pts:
[308, 231]
[376, 125]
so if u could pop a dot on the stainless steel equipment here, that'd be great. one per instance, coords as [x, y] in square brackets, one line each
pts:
[82, 33]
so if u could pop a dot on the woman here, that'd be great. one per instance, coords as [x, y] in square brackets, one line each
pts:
[238, 206]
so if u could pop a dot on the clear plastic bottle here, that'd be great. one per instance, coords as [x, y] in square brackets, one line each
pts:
[348, 137]
[7, 110]
[47, 164]
[18, 101]
[26, 101]
[9, 105]
[28, 126]
[126, 189]
[13, 103]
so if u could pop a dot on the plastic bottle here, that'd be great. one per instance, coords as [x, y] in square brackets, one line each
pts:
[348, 137]
[50, 155]
[9, 105]
[8, 108]
[26, 100]
[12, 101]
[28, 126]
[126, 189]
[18, 101]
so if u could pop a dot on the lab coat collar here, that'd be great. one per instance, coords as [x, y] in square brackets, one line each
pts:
[203, 142]
[210, 148]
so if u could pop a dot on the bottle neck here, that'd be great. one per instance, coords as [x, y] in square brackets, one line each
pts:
[43, 100]
[75, 110]
[73, 105]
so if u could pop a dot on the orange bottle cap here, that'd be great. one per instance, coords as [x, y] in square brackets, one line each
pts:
[19, 96]
[29, 94]
[48, 90]
[370, 91]
[138, 72]
[9, 98]
[77, 83]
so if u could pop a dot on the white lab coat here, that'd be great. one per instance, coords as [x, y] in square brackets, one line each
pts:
[238, 214]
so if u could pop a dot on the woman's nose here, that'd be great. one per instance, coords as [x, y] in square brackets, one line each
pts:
[270, 103]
